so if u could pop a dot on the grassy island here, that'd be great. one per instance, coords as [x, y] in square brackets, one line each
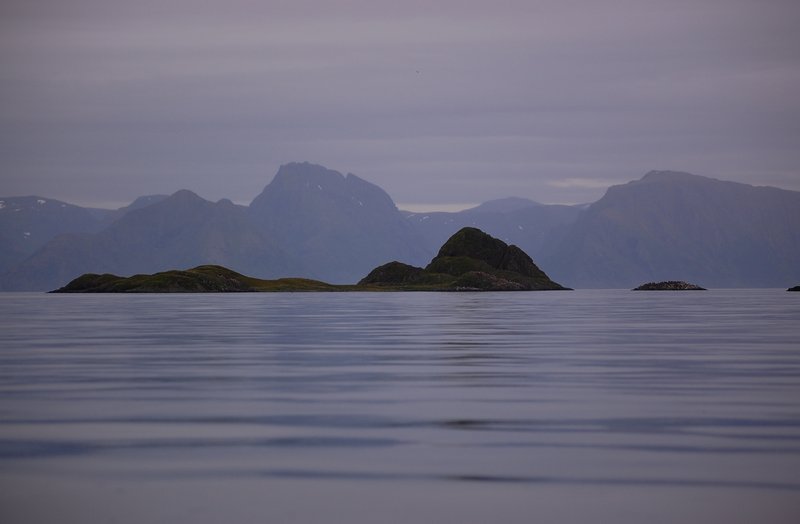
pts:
[470, 260]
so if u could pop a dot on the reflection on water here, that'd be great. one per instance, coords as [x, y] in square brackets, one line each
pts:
[401, 407]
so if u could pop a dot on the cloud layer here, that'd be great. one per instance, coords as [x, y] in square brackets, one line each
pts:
[444, 102]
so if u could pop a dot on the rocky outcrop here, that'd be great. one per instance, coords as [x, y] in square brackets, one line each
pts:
[795, 288]
[470, 260]
[669, 285]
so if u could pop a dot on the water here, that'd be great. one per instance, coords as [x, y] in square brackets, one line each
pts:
[585, 406]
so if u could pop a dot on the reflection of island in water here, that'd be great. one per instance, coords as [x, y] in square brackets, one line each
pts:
[470, 260]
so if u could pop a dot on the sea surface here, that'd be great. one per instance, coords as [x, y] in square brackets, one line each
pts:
[586, 406]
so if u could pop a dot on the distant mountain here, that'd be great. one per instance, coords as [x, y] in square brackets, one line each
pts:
[183, 230]
[678, 226]
[314, 222]
[309, 221]
[525, 223]
[28, 223]
[343, 225]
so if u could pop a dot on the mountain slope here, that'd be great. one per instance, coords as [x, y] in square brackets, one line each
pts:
[678, 226]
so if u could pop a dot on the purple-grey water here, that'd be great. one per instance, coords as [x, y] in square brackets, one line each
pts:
[584, 406]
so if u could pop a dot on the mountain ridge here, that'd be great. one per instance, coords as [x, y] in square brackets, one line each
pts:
[315, 222]
[674, 225]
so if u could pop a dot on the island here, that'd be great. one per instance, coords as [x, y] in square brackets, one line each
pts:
[669, 285]
[470, 260]
[795, 288]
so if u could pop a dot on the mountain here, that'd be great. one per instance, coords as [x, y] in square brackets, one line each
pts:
[678, 226]
[28, 223]
[183, 230]
[343, 225]
[528, 224]
[314, 222]
[309, 221]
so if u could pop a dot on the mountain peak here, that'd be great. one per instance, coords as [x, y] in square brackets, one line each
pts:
[475, 244]
[184, 195]
[305, 175]
[469, 260]
[308, 183]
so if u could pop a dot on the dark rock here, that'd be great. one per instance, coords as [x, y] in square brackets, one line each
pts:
[469, 260]
[795, 288]
[669, 285]
[202, 279]
[392, 273]
[475, 245]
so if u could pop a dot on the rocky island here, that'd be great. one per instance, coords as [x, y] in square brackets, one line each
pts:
[669, 285]
[795, 288]
[470, 260]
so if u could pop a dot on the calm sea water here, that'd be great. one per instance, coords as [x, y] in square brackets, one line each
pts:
[585, 406]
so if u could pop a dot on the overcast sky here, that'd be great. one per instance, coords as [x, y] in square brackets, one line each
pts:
[440, 103]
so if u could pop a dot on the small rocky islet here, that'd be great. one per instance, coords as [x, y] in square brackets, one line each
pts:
[470, 260]
[795, 288]
[669, 285]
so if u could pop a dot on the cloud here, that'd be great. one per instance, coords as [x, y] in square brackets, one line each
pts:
[432, 101]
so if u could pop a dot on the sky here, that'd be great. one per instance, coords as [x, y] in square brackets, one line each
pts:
[441, 103]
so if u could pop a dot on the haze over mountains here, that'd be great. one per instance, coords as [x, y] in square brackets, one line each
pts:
[313, 222]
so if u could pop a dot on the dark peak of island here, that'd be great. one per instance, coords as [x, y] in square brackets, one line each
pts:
[469, 260]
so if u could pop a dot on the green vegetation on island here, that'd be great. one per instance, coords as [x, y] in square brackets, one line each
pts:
[201, 279]
[470, 260]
